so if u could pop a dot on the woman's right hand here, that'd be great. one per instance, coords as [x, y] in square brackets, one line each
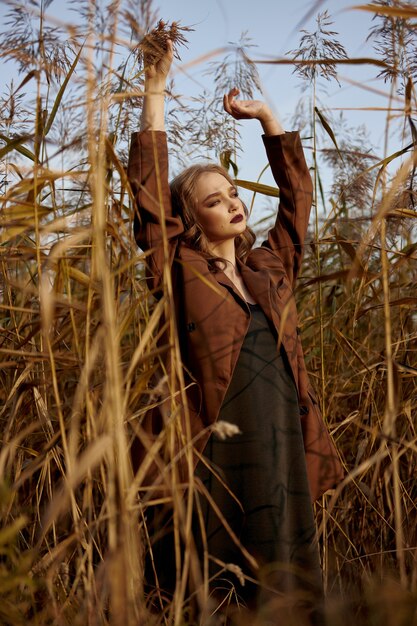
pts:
[158, 72]
[156, 75]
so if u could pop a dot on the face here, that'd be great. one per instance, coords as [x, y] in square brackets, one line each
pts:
[219, 210]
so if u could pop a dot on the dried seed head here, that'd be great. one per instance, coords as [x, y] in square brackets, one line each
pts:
[319, 51]
[154, 43]
[224, 429]
[236, 570]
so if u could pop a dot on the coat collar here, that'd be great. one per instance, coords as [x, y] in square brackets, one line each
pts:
[257, 283]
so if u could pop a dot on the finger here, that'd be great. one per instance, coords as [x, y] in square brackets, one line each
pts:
[232, 95]
[237, 103]
[237, 107]
[227, 103]
[230, 98]
[233, 92]
[170, 48]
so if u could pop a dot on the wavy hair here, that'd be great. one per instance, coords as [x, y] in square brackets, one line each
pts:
[184, 204]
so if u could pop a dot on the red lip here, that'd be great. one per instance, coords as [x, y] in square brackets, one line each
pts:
[237, 218]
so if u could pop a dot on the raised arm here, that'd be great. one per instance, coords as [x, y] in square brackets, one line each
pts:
[288, 166]
[148, 173]
[155, 84]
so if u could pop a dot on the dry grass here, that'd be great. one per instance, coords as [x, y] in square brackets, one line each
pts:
[79, 345]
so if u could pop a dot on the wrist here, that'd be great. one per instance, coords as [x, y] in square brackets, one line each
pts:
[271, 126]
[265, 114]
[155, 87]
[152, 120]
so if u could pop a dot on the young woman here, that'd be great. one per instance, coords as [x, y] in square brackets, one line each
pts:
[240, 347]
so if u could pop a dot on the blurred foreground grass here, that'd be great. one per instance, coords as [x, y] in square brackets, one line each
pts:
[79, 331]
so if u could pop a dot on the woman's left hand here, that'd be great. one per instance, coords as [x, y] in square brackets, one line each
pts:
[243, 109]
[251, 109]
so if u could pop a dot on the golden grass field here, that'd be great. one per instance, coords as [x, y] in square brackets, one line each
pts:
[79, 332]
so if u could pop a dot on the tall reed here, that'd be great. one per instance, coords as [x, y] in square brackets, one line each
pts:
[81, 334]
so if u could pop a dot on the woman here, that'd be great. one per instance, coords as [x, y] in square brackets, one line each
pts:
[242, 359]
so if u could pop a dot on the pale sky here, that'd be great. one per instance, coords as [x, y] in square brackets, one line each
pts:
[274, 27]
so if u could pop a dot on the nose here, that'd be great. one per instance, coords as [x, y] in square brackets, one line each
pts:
[234, 205]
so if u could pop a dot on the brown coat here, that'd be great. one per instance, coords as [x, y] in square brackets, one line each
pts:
[211, 316]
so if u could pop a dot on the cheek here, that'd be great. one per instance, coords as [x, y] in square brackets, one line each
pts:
[213, 225]
[210, 222]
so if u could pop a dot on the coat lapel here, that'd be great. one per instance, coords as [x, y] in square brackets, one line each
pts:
[258, 284]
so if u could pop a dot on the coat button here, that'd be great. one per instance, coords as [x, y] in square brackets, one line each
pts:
[191, 327]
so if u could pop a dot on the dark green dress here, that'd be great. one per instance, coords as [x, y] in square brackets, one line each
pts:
[264, 467]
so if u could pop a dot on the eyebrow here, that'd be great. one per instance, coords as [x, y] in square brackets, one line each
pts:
[216, 193]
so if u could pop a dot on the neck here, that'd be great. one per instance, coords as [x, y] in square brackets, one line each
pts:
[225, 250]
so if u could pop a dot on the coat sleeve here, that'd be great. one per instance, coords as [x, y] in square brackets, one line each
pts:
[290, 171]
[156, 228]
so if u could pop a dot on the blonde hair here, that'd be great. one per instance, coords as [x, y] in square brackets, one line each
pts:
[184, 204]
